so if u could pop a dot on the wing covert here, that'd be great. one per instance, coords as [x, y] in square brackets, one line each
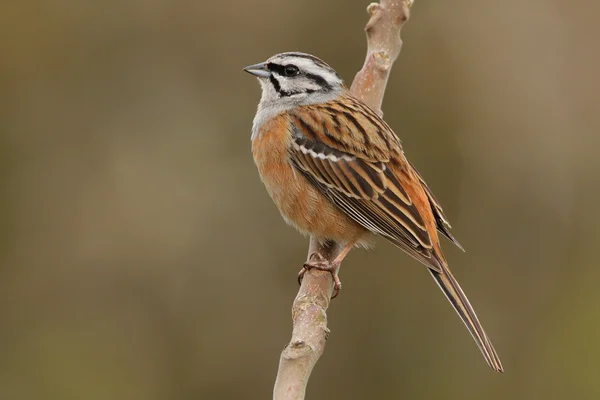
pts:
[366, 183]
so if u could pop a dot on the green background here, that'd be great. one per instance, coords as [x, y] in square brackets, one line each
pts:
[141, 258]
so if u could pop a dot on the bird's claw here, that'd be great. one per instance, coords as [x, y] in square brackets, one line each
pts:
[317, 261]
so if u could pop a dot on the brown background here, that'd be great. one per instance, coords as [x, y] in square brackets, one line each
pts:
[141, 258]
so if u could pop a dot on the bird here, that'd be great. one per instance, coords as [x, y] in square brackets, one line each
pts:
[337, 172]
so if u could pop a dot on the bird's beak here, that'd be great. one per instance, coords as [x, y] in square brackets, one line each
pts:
[260, 70]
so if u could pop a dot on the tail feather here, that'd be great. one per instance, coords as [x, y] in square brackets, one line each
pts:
[461, 305]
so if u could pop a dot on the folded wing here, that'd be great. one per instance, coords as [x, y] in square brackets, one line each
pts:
[364, 181]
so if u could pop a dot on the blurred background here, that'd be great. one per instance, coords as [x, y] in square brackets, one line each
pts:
[141, 257]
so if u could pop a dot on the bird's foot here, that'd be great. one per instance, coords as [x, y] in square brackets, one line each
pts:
[317, 261]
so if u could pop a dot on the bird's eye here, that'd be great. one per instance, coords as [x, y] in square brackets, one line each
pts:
[291, 70]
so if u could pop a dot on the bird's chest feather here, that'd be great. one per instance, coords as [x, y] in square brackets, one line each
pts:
[285, 185]
[300, 203]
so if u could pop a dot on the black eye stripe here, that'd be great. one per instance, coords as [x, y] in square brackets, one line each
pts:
[319, 80]
[284, 71]
[278, 69]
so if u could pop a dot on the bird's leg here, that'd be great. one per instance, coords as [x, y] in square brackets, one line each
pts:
[317, 261]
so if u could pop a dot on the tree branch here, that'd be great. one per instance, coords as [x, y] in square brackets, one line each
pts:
[384, 45]
[309, 311]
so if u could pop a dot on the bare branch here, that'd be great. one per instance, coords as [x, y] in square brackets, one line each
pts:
[309, 316]
[309, 311]
[384, 45]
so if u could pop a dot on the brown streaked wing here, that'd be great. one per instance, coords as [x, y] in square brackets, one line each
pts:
[348, 126]
[442, 223]
[360, 181]
[368, 215]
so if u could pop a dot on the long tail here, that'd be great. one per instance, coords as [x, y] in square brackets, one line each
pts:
[461, 304]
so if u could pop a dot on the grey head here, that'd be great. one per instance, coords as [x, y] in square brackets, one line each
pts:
[293, 79]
